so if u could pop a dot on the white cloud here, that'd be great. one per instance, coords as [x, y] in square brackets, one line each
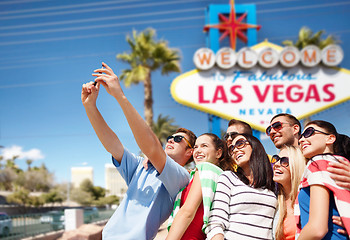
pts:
[33, 154]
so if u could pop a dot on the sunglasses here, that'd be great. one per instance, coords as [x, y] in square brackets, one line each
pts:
[178, 139]
[241, 143]
[229, 134]
[276, 126]
[310, 131]
[284, 161]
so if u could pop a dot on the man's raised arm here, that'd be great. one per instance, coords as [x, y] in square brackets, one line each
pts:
[144, 136]
[107, 137]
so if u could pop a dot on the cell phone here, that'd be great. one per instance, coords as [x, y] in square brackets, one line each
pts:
[95, 81]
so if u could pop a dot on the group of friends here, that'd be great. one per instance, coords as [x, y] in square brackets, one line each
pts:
[236, 190]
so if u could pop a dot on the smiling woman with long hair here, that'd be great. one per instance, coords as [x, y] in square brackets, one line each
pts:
[288, 168]
[319, 197]
[244, 202]
[192, 204]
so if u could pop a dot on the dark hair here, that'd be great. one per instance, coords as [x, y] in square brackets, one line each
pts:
[293, 120]
[259, 164]
[246, 127]
[225, 162]
[341, 146]
[192, 139]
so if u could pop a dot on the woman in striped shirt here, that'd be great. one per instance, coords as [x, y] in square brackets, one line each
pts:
[319, 196]
[244, 202]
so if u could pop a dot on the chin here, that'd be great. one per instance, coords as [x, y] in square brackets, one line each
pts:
[278, 145]
[308, 154]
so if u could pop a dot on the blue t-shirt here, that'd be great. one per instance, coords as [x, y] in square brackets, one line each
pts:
[148, 201]
[304, 204]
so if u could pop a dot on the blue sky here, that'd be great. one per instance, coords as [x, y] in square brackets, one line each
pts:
[50, 48]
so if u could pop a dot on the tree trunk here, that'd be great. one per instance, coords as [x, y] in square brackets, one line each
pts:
[148, 100]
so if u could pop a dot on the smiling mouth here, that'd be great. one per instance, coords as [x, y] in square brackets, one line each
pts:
[199, 157]
[275, 138]
[239, 156]
[169, 147]
[277, 172]
[304, 146]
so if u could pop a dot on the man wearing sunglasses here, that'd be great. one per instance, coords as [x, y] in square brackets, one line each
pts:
[151, 193]
[234, 127]
[284, 130]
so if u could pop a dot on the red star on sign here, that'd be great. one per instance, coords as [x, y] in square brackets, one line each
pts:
[232, 26]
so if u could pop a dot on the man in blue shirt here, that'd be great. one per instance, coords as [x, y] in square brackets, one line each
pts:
[151, 192]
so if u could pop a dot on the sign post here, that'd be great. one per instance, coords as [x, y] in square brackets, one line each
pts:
[214, 12]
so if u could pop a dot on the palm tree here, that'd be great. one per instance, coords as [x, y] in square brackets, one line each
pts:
[163, 128]
[10, 163]
[307, 37]
[147, 55]
[29, 162]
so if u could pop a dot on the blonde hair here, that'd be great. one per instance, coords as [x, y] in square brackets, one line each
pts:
[297, 164]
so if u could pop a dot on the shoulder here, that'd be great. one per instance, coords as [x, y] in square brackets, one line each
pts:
[128, 160]
[337, 157]
[320, 162]
[171, 165]
[128, 155]
[174, 170]
[229, 176]
[209, 167]
[326, 157]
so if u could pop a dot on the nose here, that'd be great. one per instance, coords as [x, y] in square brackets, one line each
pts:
[195, 150]
[171, 140]
[272, 131]
[229, 141]
[277, 164]
[235, 150]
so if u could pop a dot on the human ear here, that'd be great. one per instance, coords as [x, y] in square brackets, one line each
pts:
[330, 139]
[218, 153]
[296, 129]
[189, 152]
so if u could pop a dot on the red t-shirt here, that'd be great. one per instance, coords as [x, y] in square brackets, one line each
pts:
[194, 230]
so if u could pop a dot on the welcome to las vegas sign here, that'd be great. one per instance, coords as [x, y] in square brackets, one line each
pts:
[257, 93]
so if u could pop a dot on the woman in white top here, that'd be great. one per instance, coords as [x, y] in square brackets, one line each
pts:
[244, 202]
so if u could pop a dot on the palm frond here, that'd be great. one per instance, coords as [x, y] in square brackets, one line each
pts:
[306, 37]
[147, 55]
[164, 127]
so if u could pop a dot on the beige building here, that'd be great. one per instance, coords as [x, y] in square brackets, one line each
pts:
[114, 183]
[79, 174]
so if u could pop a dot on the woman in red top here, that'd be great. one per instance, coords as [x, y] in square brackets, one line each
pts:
[188, 221]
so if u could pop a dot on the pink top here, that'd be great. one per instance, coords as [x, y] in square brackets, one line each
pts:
[289, 226]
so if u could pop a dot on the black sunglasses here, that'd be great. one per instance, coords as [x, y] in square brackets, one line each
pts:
[276, 125]
[310, 131]
[241, 143]
[229, 134]
[284, 161]
[178, 139]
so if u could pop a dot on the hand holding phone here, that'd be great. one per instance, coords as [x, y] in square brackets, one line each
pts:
[95, 81]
